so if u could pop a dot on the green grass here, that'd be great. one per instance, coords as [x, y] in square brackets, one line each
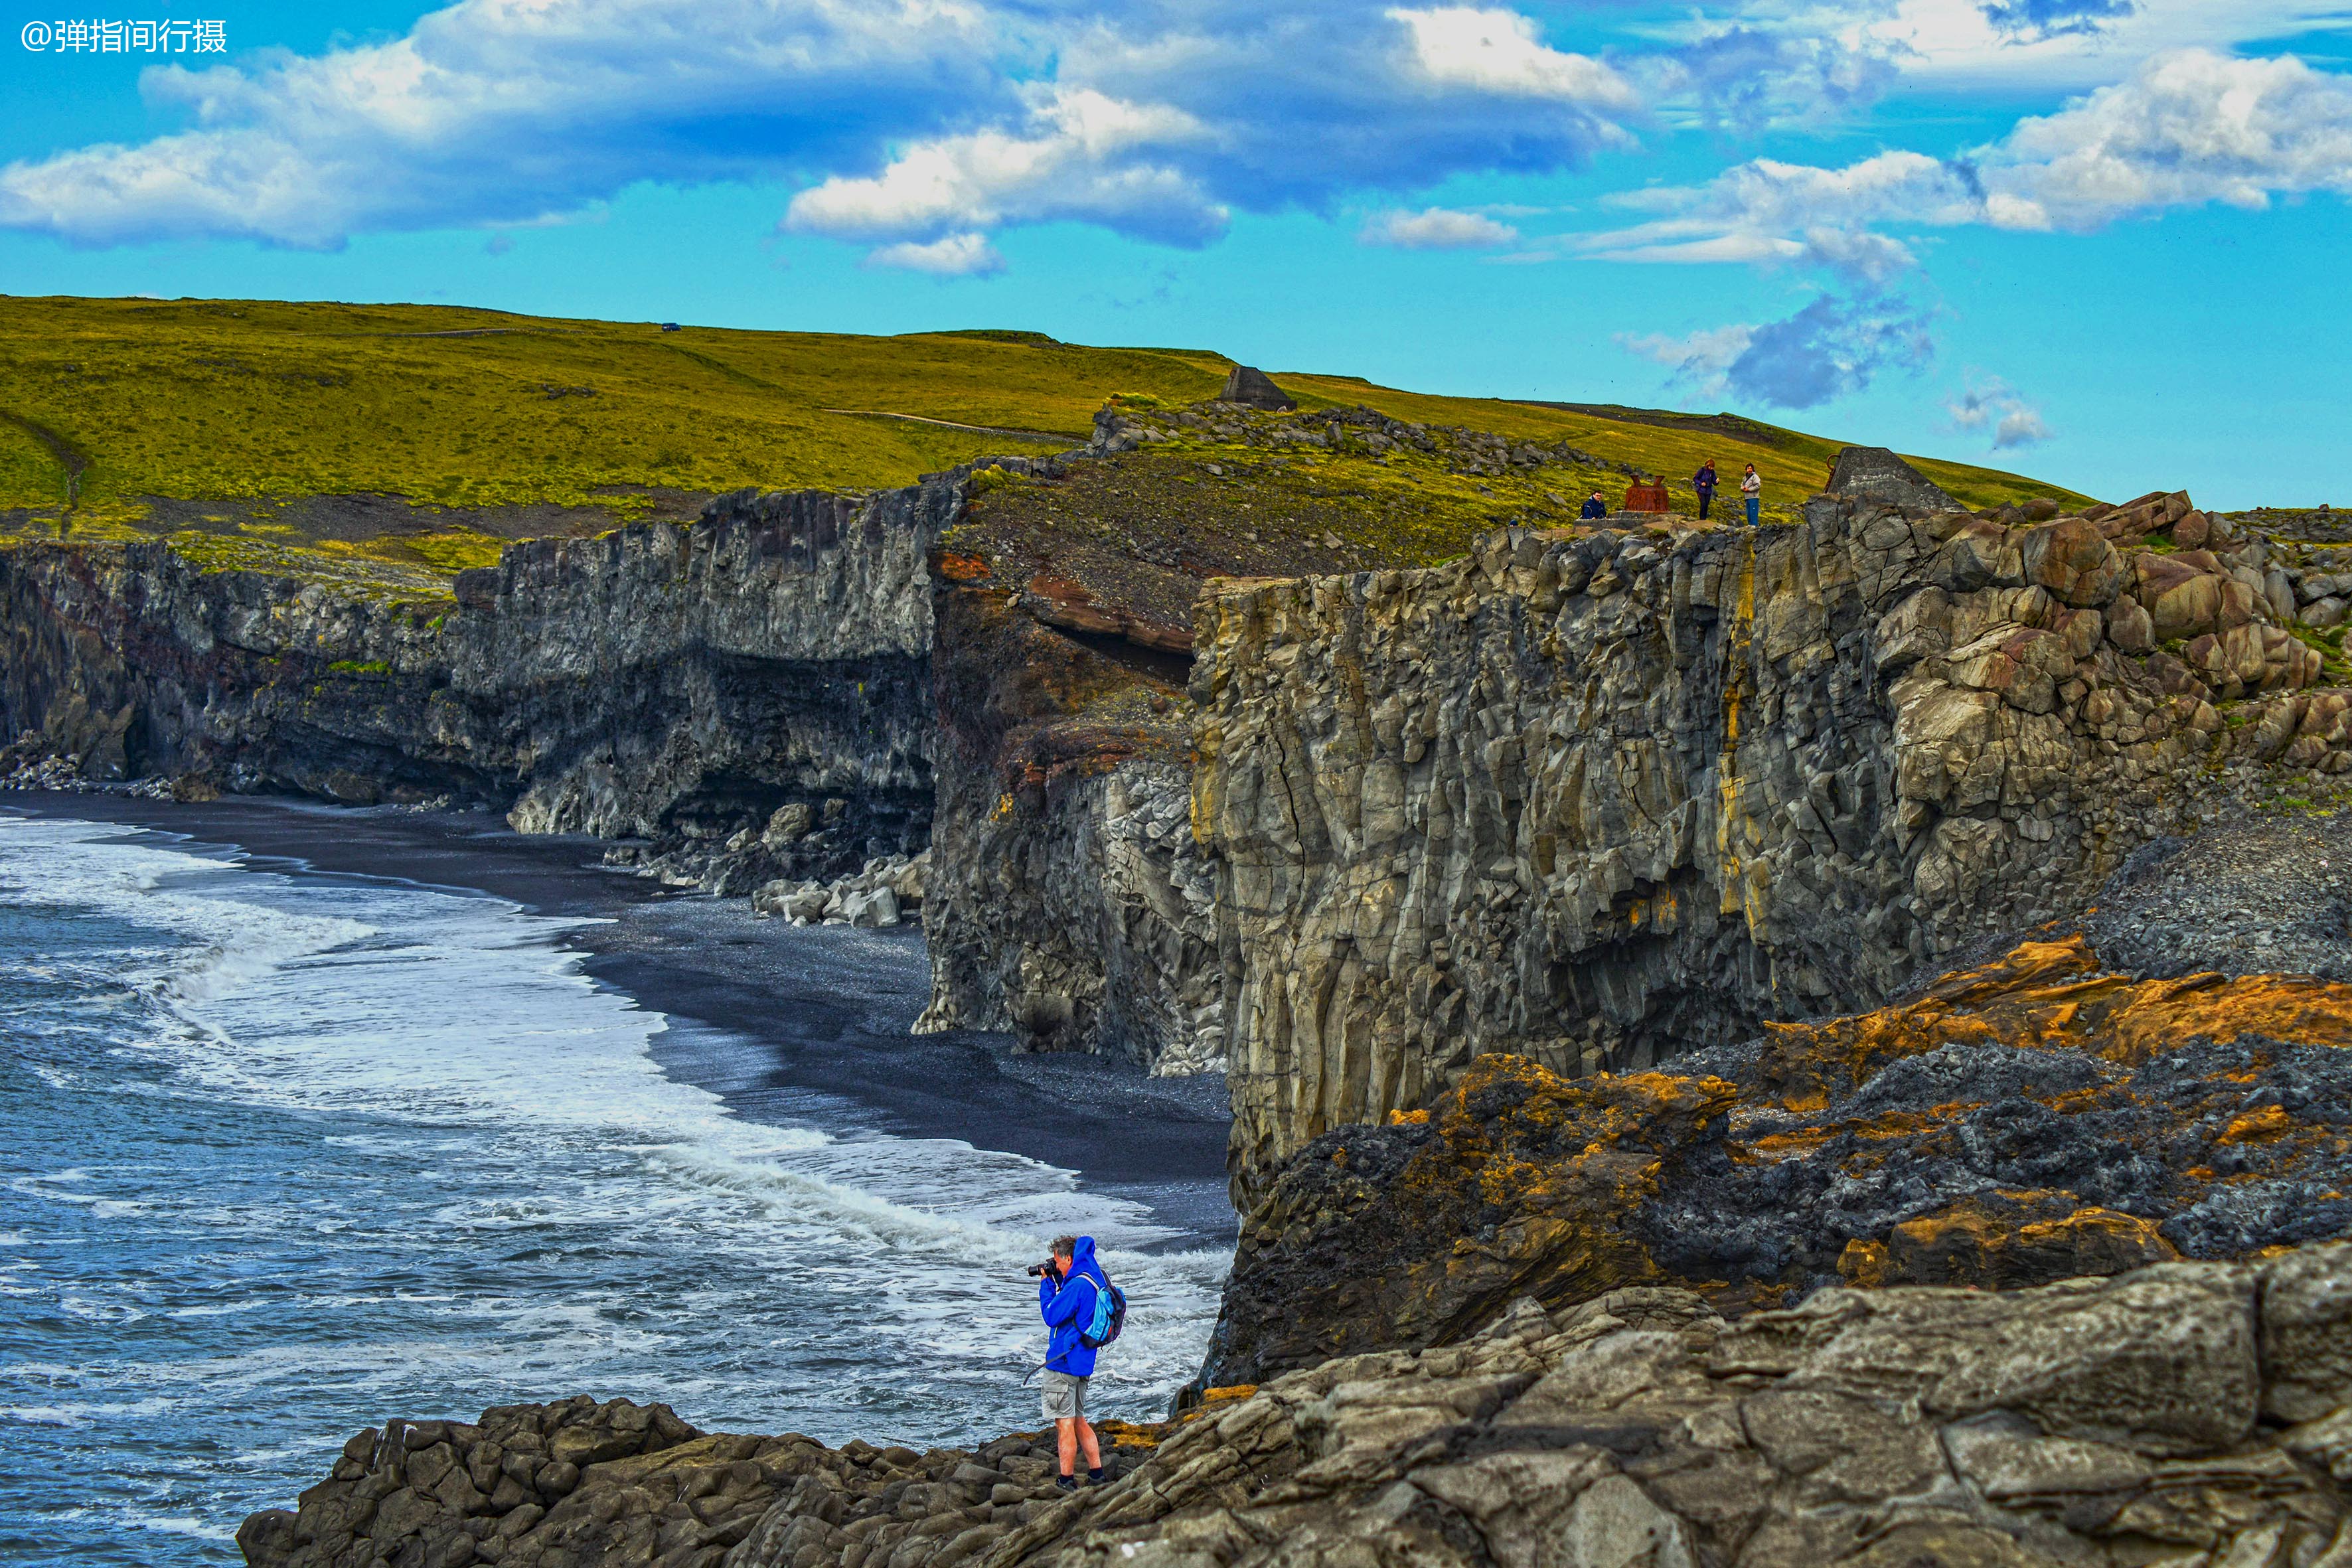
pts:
[2335, 666]
[225, 400]
[138, 408]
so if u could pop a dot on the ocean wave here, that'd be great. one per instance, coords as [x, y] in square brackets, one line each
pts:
[375, 1150]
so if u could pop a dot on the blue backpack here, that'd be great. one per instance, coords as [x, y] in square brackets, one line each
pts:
[1110, 1315]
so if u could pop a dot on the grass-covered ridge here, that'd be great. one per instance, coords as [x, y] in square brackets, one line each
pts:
[229, 400]
[390, 447]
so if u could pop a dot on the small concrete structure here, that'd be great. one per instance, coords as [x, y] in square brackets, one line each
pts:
[1250, 388]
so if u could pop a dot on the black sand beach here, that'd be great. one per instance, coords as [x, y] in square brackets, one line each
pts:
[806, 1025]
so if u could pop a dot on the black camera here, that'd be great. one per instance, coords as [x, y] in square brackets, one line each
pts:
[1039, 1270]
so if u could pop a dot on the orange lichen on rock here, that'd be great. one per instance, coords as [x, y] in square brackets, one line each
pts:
[2270, 1121]
[2029, 1119]
[1987, 1243]
[1525, 1175]
[2049, 995]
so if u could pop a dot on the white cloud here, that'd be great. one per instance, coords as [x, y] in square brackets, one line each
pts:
[502, 112]
[1988, 405]
[953, 256]
[1492, 50]
[1434, 229]
[1085, 156]
[1745, 77]
[2031, 46]
[1768, 211]
[1160, 126]
[897, 121]
[1702, 358]
[2184, 130]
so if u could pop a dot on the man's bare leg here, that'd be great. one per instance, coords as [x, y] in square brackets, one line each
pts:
[1065, 1432]
[1087, 1439]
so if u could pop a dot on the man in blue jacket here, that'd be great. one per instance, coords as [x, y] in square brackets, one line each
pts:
[1594, 507]
[1066, 1296]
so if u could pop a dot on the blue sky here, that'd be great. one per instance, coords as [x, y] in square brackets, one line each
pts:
[2099, 240]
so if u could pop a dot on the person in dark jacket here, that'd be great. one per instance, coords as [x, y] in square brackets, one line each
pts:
[1594, 507]
[1066, 1298]
[1704, 482]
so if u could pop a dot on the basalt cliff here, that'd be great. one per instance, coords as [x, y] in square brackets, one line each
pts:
[1820, 1044]
[1597, 800]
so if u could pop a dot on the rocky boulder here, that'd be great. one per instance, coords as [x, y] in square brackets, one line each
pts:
[886, 890]
[2073, 560]
[1253, 388]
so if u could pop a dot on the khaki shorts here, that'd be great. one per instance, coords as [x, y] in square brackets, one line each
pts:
[1065, 1396]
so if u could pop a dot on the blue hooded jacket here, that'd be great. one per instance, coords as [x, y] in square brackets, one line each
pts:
[1068, 1307]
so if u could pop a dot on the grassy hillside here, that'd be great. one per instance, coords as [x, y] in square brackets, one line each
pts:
[1793, 464]
[219, 423]
[455, 407]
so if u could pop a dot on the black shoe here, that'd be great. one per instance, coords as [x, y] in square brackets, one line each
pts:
[1095, 1477]
[1068, 1483]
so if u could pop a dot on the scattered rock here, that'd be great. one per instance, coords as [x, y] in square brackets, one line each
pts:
[576, 1483]
[880, 894]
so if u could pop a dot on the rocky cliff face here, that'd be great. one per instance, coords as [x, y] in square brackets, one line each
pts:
[659, 682]
[1595, 800]
[763, 694]
[2033, 1119]
[1073, 903]
[2183, 1412]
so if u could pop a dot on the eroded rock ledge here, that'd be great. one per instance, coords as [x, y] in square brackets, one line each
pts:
[579, 1483]
[2032, 1120]
[2137, 1085]
[2185, 1413]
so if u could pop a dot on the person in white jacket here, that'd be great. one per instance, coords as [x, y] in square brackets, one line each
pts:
[1751, 490]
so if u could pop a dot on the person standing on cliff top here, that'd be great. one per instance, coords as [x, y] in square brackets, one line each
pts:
[1704, 482]
[1068, 1288]
[1751, 489]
